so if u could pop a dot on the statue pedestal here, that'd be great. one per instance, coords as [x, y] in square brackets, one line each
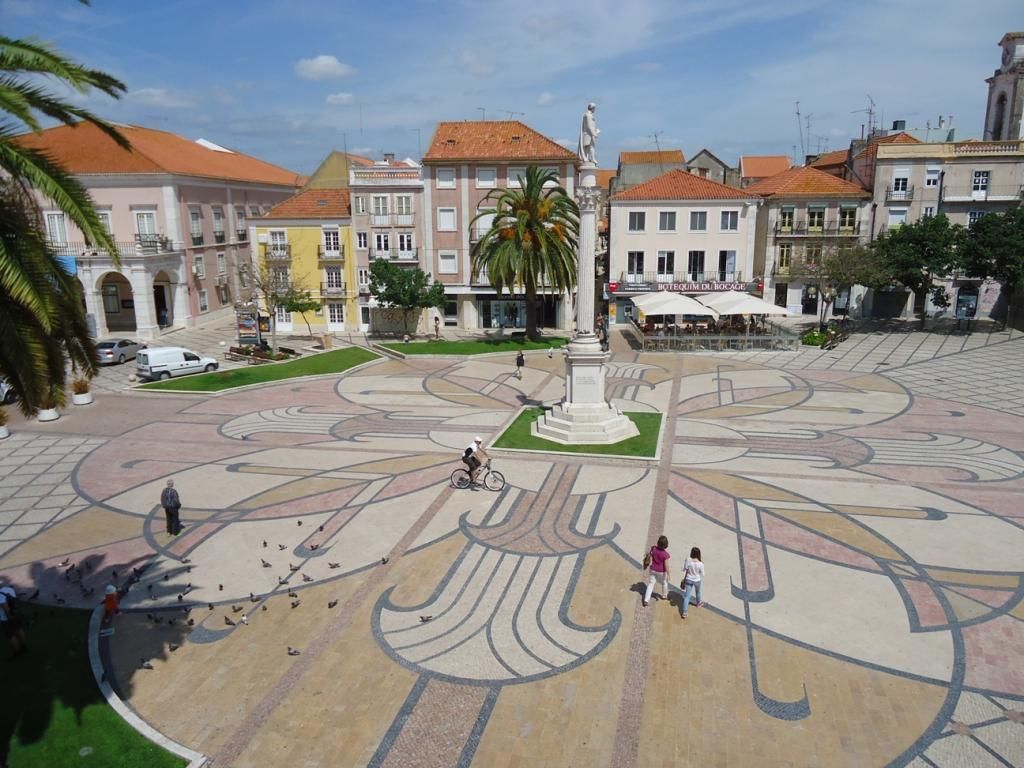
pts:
[584, 417]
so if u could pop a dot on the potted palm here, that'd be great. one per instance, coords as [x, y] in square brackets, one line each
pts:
[4, 431]
[49, 410]
[80, 394]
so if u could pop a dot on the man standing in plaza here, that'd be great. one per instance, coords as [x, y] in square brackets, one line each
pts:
[171, 503]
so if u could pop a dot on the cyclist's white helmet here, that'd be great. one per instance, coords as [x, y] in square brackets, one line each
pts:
[478, 439]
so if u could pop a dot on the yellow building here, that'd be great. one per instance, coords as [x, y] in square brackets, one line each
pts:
[306, 242]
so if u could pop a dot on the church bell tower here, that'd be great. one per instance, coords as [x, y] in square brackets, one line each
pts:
[1006, 92]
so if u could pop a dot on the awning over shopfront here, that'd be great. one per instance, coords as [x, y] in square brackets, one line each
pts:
[665, 303]
[745, 304]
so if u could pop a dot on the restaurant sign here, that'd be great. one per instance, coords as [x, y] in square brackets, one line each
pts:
[708, 287]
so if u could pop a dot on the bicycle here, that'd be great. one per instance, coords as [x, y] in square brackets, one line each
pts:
[492, 480]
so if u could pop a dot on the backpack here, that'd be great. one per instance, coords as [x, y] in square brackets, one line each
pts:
[647, 560]
[467, 453]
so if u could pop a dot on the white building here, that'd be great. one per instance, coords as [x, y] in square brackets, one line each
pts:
[679, 232]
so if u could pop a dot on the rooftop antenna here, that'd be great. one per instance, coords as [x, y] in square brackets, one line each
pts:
[870, 112]
[807, 130]
[800, 128]
[483, 113]
[511, 113]
[657, 144]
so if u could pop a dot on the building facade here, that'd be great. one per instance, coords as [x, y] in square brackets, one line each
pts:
[179, 211]
[682, 233]
[387, 223]
[306, 243]
[806, 214]
[464, 163]
[638, 167]
[708, 166]
[754, 168]
[1005, 110]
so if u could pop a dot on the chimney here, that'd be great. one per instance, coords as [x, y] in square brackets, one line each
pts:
[389, 157]
[899, 125]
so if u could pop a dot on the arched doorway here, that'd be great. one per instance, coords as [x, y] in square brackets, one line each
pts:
[118, 303]
[163, 299]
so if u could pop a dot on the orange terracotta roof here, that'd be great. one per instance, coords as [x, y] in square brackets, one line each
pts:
[84, 148]
[831, 158]
[652, 158]
[359, 159]
[871, 150]
[493, 140]
[763, 166]
[806, 182]
[678, 184]
[314, 204]
[604, 177]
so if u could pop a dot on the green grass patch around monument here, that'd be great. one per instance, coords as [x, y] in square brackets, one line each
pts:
[52, 713]
[644, 445]
[326, 362]
[474, 346]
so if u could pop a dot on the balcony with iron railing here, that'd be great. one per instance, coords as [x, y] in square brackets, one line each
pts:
[150, 246]
[830, 228]
[660, 278]
[795, 266]
[331, 254]
[219, 237]
[277, 251]
[395, 254]
[197, 239]
[241, 234]
[998, 193]
[894, 194]
[332, 288]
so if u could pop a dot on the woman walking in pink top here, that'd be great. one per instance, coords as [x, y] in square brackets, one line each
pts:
[659, 567]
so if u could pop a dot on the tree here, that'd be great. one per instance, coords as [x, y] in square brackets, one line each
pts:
[298, 300]
[916, 255]
[844, 267]
[278, 290]
[532, 239]
[42, 319]
[994, 247]
[404, 288]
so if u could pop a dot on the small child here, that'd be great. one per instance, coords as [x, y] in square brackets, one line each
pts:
[111, 602]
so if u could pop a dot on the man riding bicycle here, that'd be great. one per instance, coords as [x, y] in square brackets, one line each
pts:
[471, 457]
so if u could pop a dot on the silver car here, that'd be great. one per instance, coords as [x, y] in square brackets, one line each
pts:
[117, 350]
[7, 393]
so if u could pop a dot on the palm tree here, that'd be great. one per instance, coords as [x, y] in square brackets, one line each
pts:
[532, 239]
[42, 319]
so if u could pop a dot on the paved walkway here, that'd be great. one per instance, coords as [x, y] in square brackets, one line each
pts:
[862, 533]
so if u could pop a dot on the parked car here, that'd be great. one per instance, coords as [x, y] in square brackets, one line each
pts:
[163, 362]
[7, 393]
[117, 350]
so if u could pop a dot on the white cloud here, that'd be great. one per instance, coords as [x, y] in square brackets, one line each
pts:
[160, 97]
[476, 65]
[339, 99]
[545, 99]
[323, 67]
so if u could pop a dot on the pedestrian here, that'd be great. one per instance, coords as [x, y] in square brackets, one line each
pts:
[171, 503]
[111, 602]
[693, 577]
[11, 623]
[520, 362]
[658, 566]
[437, 327]
[551, 352]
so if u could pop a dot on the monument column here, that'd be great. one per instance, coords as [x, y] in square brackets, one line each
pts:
[584, 416]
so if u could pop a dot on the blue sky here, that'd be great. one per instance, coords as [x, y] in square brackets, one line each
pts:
[290, 81]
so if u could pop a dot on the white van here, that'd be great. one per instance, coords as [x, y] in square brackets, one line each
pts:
[163, 362]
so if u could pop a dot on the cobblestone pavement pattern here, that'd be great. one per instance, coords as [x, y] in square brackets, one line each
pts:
[861, 529]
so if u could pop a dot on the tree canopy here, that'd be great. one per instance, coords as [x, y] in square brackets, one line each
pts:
[994, 248]
[407, 289]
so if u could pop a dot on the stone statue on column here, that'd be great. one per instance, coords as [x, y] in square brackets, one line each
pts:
[587, 148]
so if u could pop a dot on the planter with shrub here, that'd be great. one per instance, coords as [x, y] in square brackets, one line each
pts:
[80, 394]
[49, 410]
[4, 431]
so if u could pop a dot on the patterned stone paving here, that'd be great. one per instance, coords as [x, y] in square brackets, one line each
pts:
[862, 531]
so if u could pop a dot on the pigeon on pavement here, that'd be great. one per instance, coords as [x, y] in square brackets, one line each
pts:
[296, 603]
[293, 651]
[332, 566]
[306, 577]
[265, 564]
[229, 622]
[332, 603]
[425, 619]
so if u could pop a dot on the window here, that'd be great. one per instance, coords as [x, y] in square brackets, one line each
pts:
[897, 217]
[204, 300]
[336, 313]
[928, 210]
[195, 217]
[243, 277]
[448, 263]
[282, 316]
[486, 177]
[240, 228]
[514, 172]
[932, 176]
[405, 243]
[279, 242]
[847, 218]
[482, 225]
[666, 266]
[218, 224]
[695, 265]
[445, 178]
[812, 256]
[111, 300]
[380, 205]
[815, 218]
[730, 221]
[334, 277]
[698, 221]
[361, 240]
[727, 265]
[786, 219]
[900, 183]
[106, 221]
[332, 241]
[637, 221]
[667, 221]
[980, 182]
[973, 216]
[363, 276]
[222, 264]
[785, 256]
[279, 278]
[445, 219]
[360, 203]
[56, 230]
[635, 266]
[254, 211]
[145, 224]
[381, 243]
[199, 267]
[403, 205]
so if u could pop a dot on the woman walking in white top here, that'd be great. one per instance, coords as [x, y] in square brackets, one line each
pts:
[693, 577]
